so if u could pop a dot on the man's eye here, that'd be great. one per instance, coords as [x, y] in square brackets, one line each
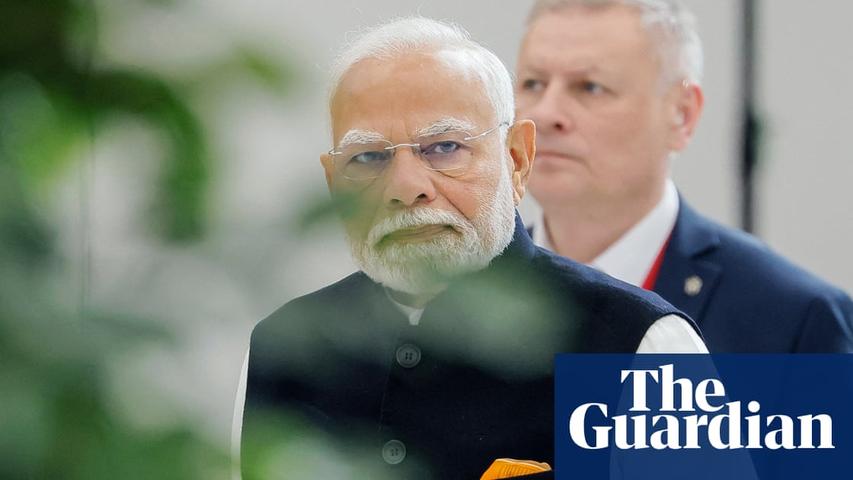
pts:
[592, 87]
[369, 158]
[532, 85]
[441, 148]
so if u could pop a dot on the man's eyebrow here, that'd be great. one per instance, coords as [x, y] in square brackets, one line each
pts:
[357, 137]
[576, 71]
[446, 125]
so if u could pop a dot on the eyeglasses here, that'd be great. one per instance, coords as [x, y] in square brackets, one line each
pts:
[449, 153]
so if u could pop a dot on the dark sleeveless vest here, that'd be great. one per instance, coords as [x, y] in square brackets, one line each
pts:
[471, 383]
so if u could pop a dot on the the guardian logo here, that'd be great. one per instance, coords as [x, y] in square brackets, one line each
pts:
[702, 418]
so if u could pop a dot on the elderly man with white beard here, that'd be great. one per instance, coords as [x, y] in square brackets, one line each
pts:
[437, 357]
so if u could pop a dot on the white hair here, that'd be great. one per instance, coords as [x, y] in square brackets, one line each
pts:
[677, 36]
[409, 35]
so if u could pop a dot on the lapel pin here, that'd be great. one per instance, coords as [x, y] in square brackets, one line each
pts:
[693, 285]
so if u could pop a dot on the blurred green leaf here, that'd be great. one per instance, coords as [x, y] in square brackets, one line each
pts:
[58, 418]
[273, 75]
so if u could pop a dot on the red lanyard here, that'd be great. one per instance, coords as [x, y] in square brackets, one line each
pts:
[652, 277]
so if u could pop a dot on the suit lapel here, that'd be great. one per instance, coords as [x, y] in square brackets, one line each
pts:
[687, 277]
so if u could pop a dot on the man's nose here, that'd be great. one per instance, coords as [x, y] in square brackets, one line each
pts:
[407, 181]
[552, 111]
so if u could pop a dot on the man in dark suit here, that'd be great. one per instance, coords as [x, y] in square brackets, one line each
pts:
[436, 358]
[614, 90]
[747, 298]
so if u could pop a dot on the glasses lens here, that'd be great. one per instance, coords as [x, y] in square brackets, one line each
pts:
[448, 152]
[363, 161]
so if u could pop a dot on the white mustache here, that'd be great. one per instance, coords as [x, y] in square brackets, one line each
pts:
[419, 217]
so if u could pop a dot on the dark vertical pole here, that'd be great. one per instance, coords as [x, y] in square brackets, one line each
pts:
[750, 140]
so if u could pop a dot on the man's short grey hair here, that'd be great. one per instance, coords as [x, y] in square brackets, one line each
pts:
[672, 25]
[404, 36]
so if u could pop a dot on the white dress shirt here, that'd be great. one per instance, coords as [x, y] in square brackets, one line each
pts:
[631, 258]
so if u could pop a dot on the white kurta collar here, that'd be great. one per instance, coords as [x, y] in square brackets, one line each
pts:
[412, 313]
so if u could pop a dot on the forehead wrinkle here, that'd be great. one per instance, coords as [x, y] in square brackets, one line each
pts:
[445, 125]
[358, 136]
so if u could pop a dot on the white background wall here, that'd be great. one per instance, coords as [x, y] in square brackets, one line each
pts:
[268, 149]
[806, 194]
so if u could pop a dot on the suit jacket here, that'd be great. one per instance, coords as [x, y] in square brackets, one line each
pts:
[746, 298]
[473, 382]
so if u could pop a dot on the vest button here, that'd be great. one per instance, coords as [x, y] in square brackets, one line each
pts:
[393, 452]
[408, 355]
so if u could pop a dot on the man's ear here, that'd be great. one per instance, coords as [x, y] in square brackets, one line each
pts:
[521, 141]
[328, 168]
[687, 108]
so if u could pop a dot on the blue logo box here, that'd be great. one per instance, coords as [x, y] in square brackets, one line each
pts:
[661, 417]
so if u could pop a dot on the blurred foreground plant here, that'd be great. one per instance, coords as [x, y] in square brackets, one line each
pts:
[58, 417]
[54, 90]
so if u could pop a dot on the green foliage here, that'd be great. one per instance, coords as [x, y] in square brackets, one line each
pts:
[47, 47]
[58, 419]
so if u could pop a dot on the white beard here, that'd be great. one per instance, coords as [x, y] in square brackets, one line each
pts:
[423, 267]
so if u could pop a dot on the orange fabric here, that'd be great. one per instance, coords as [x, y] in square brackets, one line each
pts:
[508, 468]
